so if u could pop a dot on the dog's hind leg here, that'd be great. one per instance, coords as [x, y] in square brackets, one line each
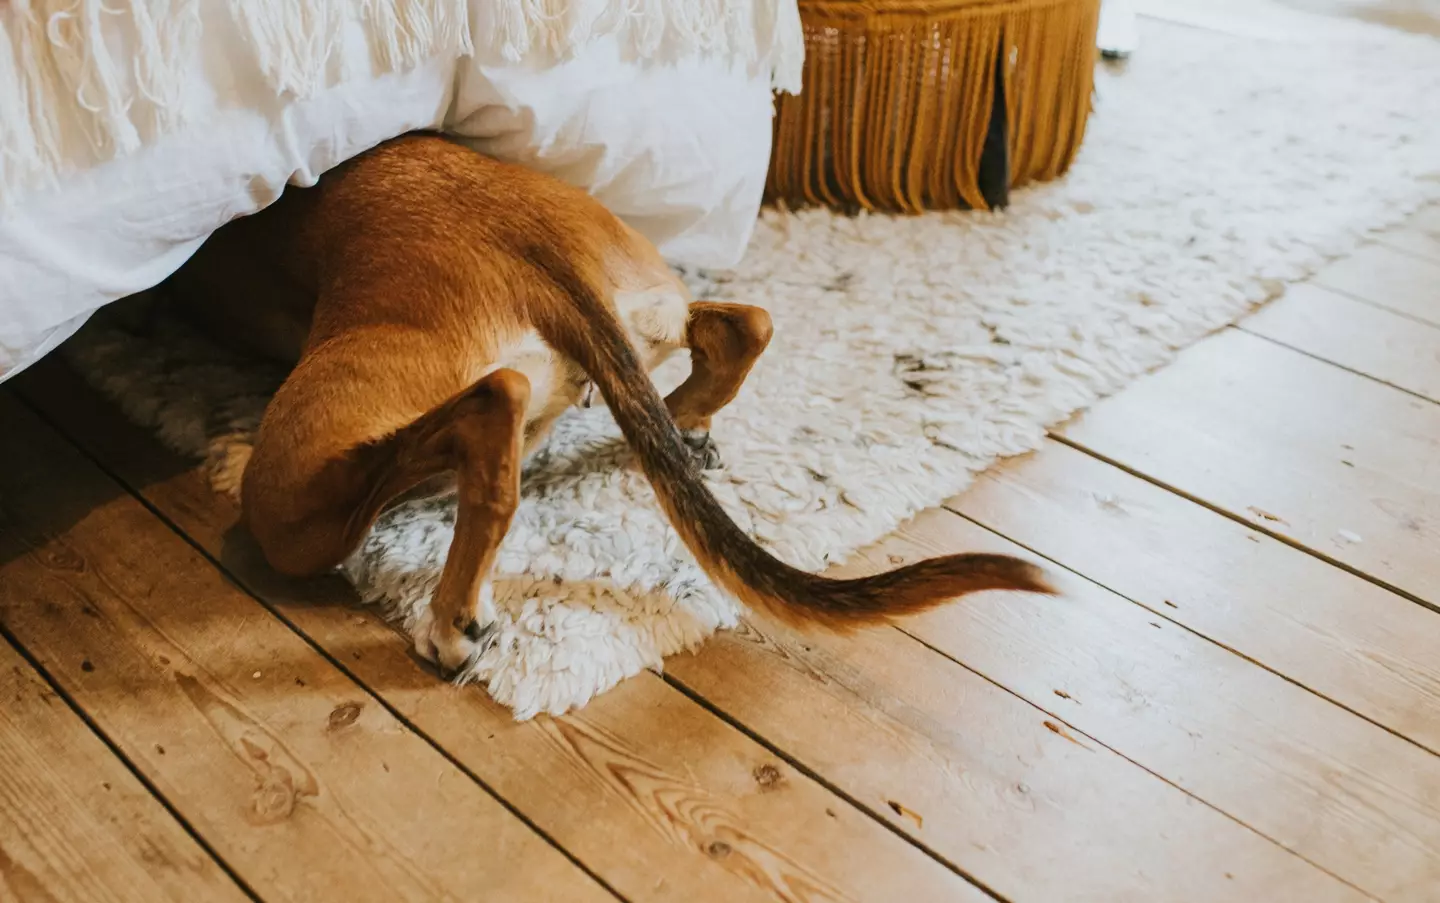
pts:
[487, 447]
[724, 340]
[309, 509]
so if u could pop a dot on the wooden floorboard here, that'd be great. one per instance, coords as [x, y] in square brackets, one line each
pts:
[656, 795]
[1420, 236]
[1024, 811]
[76, 825]
[1332, 461]
[1395, 280]
[1415, 16]
[1072, 750]
[1042, 800]
[1000, 786]
[1346, 795]
[1364, 338]
[1339, 635]
[1359, 328]
[304, 786]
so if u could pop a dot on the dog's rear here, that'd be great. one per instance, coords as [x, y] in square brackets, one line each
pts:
[585, 328]
[430, 272]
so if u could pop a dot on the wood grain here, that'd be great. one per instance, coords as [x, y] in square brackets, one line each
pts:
[1416, 16]
[1393, 279]
[1007, 791]
[656, 795]
[660, 798]
[977, 775]
[1343, 637]
[1335, 462]
[1420, 236]
[1358, 336]
[75, 824]
[292, 773]
[1346, 795]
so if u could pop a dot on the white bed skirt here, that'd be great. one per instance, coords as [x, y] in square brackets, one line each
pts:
[156, 134]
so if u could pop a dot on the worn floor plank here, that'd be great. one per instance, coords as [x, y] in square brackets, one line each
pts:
[1330, 460]
[1064, 752]
[659, 797]
[1012, 803]
[291, 773]
[1358, 336]
[1420, 236]
[1345, 794]
[1004, 788]
[1415, 16]
[1396, 280]
[1337, 634]
[75, 825]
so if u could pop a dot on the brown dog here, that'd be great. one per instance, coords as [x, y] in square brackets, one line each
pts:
[445, 309]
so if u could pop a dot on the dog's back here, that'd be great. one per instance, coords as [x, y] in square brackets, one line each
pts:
[419, 257]
[446, 227]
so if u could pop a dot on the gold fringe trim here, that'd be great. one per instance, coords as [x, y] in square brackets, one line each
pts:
[897, 100]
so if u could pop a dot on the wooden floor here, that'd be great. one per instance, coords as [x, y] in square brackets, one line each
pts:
[1237, 698]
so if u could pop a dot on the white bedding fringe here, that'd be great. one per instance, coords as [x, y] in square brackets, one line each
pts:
[83, 81]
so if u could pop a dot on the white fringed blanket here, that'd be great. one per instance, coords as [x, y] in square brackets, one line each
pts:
[132, 129]
[82, 81]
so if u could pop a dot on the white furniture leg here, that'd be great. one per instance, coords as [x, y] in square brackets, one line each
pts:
[1118, 35]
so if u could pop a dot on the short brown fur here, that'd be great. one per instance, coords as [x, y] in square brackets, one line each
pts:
[444, 309]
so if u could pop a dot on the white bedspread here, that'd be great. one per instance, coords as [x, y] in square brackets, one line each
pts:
[679, 149]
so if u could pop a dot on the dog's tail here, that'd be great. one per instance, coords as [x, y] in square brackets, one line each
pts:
[587, 331]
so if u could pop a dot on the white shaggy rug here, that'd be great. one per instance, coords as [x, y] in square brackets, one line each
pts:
[909, 353]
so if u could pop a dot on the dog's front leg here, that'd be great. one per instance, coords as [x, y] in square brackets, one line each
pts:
[724, 340]
[485, 439]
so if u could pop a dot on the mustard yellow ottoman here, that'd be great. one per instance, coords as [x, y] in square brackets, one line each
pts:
[913, 105]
